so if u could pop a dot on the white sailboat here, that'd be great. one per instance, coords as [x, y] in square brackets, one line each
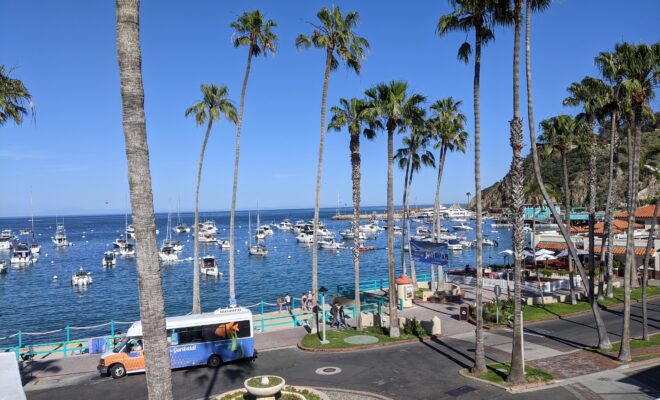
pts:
[167, 251]
[256, 250]
[35, 247]
[180, 226]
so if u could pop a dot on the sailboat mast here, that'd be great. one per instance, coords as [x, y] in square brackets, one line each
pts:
[250, 227]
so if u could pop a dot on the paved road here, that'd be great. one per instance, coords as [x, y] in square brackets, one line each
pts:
[418, 371]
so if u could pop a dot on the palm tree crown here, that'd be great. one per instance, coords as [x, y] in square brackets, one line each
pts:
[557, 134]
[335, 34]
[415, 150]
[213, 105]
[350, 113]
[15, 99]
[252, 30]
[390, 106]
[448, 125]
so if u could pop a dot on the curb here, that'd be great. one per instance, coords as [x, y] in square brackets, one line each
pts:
[529, 387]
[364, 347]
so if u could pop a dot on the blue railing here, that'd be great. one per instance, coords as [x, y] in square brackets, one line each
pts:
[373, 285]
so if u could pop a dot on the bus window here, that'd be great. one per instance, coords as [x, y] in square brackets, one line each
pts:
[190, 335]
[224, 331]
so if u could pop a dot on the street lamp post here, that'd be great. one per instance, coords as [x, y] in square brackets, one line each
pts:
[323, 290]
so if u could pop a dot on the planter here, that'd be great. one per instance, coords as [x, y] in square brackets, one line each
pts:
[266, 390]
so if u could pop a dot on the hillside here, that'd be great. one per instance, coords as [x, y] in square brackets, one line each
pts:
[497, 195]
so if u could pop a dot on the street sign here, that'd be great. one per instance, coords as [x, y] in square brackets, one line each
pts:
[498, 291]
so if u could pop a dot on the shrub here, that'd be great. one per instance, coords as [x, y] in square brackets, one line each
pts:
[414, 327]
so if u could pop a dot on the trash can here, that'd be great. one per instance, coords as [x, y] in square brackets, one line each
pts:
[405, 291]
[464, 311]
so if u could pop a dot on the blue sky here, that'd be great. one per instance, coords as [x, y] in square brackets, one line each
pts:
[73, 157]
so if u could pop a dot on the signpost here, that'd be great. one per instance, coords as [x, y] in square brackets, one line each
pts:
[323, 290]
[498, 291]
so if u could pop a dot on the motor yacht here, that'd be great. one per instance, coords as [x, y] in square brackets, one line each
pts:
[285, 226]
[21, 255]
[454, 244]
[81, 278]
[330, 244]
[168, 254]
[127, 251]
[462, 227]
[304, 238]
[6, 239]
[109, 259]
[60, 239]
[223, 243]
[209, 266]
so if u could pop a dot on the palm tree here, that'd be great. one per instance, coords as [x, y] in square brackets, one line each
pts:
[390, 106]
[211, 107]
[517, 371]
[335, 34]
[609, 65]
[15, 99]
[641, 71]
[410, 158]
[150, 287]
[350, 114]
[448, 127]
[557, 137]
[591, 93]
[252, 30]
[480, 16]
[540, 5]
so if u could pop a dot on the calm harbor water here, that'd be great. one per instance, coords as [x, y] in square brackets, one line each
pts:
[32, 301]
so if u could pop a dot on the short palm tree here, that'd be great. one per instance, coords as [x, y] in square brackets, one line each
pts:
[640, 66]
[150, 285]
[539, 6]
[479, 16]
[349, 114]
[335, 34]
[558, 137]
[214, 104]
[390, 107]
[411, 157]
[591, 93]
[251, 30]
[15, 99]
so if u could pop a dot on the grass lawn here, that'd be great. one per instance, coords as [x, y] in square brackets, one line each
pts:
[497, 373]
[639, 343]
[337, 336]
[539, 312]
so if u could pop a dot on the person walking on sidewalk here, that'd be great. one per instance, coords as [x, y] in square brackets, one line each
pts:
[287, 301]
[303, 302]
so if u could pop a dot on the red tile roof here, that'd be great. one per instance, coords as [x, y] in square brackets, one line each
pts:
[645, 212]
[551, 245]
[621, 251]
[619, 226]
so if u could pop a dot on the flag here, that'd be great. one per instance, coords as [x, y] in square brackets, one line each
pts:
[429, 252]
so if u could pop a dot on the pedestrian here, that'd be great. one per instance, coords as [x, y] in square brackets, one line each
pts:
[279, 304]
[342, 318]
[287, 301]
[333, 312]
[310, 300]
[303, 302]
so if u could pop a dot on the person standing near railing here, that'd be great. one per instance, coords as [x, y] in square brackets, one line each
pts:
[279, 304]
[303, 302]
[287, 301]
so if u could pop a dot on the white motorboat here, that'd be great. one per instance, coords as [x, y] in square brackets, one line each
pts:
[268, 231]
[299, 226]
[323, 232]
[466, 244]
[489, 242]
[206, 238]
[130, 230]
[462, 227]
[21, 255]
[109, 259]
[81, 278]
[6, 240]
[168, 254]
[370, 229]
[209, 266]
[454, 244]
[175, 244]
[304, 238]
[223, 243]
[285, 226]
[330, 244]
[348, 234]
[260, 234]
[127, 251]
[3, 266]
[423, 230]
[24, 232]
[397, 230]
[60, 239]
[208, 227]
[120, 242]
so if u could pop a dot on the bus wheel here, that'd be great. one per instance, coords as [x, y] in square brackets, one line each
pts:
[117, 371]
[214, 361]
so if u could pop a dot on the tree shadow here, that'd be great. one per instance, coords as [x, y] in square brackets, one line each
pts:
[445, 353]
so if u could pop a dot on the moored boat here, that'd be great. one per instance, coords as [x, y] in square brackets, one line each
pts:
[81, 278]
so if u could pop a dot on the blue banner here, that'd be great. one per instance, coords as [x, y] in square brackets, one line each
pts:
[429, 252]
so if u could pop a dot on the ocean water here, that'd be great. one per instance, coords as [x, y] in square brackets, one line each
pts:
[32, 301]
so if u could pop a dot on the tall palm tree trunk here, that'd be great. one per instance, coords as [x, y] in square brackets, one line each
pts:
[410, 258]
[394, 315]
[404, 216]
[567, 223]
[645, 274]
[479, 355]
[592, 214]
[603, 338]
[355, 177]
[608, 232]
[517, 372]
[152, 305]
[317, 201]
[197, 308]
[633, 187]
[436, 206]
[232, 213]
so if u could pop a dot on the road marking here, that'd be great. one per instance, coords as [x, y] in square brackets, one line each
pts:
[328, 371]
